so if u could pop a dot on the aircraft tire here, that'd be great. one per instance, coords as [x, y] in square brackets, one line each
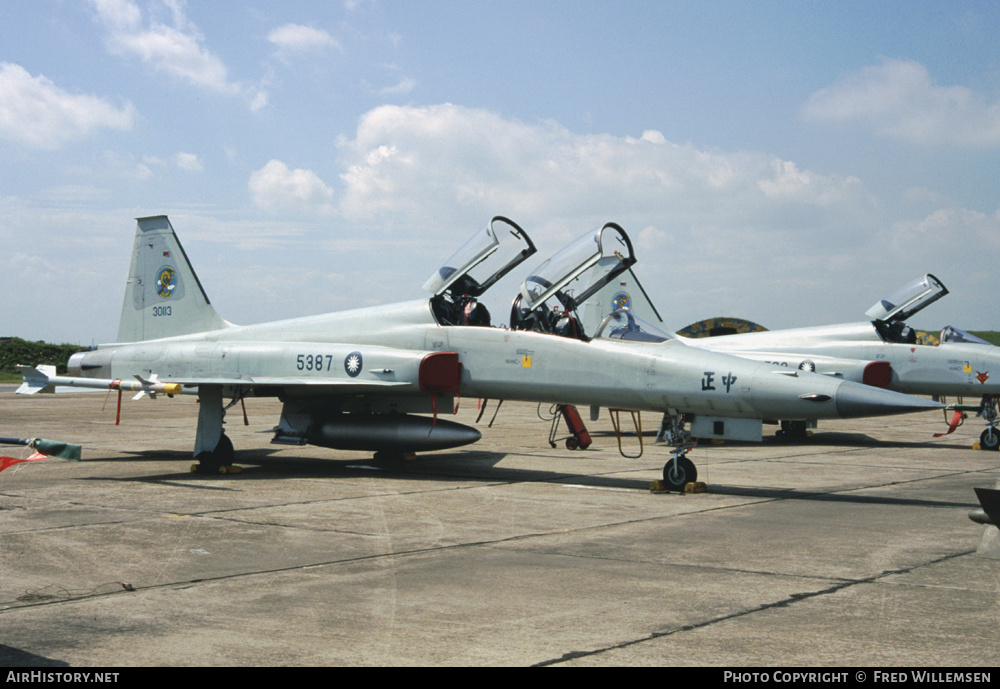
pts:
[677, 477]
[990, 439]
[222, 456]
[225, 451]
[389, 456]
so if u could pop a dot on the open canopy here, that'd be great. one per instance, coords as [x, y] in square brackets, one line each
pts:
[486, 257]
[580, 269]
[908, 300]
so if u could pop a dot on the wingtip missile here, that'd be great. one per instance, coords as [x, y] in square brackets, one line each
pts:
[43, 379]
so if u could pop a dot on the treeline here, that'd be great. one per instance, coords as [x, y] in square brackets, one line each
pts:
[16, 351]
[990, 336]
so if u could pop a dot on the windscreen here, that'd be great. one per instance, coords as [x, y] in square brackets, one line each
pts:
[623, 325]
[950, 334]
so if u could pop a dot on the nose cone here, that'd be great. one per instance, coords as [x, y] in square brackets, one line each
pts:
[854, 400]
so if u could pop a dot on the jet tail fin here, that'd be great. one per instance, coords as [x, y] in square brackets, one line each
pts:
[163, 296]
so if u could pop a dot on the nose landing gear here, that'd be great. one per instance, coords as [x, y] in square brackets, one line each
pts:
[679, 470]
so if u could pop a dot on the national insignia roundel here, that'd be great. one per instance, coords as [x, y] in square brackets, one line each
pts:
[352, 364]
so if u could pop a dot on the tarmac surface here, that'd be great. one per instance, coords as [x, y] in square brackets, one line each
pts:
[852, 548]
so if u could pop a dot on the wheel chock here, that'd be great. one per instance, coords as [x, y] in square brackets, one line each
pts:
[977, 446]
[690, 487]
[231, 469]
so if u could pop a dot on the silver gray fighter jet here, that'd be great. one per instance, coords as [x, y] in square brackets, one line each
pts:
[377, 379]
[885, 352]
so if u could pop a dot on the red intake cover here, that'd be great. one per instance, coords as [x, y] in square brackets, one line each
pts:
[440, 373]
[877, 374]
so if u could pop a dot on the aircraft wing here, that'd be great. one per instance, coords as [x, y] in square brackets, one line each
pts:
[336, 395]
[336, 369]
[334, 385]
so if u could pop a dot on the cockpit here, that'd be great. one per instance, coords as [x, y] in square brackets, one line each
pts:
[951, 334]
[486, 257]
[889, 315]
[552, 293]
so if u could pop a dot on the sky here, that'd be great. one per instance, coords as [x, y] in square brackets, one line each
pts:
[789, 162]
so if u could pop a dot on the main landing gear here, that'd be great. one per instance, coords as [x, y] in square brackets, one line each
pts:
[219, 460]
[211, 415]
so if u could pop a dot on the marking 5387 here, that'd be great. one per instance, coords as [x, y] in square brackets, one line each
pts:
[313, 362]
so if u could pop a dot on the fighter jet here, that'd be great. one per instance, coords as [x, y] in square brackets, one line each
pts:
[378, 378]
[887, 353]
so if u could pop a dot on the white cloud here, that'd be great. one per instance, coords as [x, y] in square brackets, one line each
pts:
[276, 188]
[716, 232]
[403, 86]
[37, 113]
[259, 101]
[898, 99]
[177, 49]
[424, 162]
[938, 234]
[296, 38]
[188, 161]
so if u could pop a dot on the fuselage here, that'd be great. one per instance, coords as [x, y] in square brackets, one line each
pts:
[946, 369]
[380, 348]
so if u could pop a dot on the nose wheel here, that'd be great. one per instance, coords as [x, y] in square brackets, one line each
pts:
[680, 470]
[990, 439]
